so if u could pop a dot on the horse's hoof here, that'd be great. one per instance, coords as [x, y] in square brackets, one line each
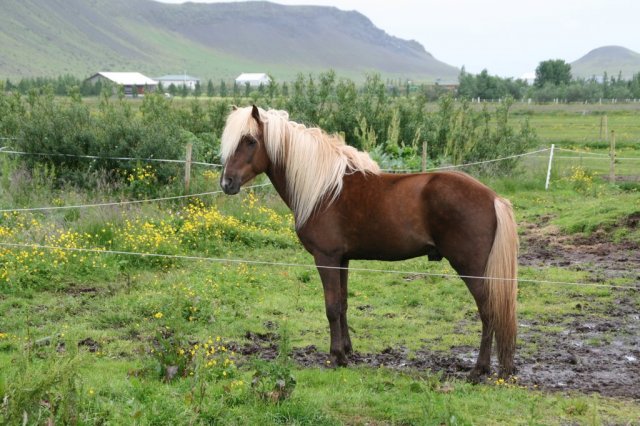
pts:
[339, 360]
[477, 374]
[507, 373]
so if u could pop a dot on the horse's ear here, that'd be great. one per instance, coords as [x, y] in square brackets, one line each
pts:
[255, 113]
[234, 107]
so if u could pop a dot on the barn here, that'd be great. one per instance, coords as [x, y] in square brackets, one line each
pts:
[133, 83]
[178, 80]
[254, 79]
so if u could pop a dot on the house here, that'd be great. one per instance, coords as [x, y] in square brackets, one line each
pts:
[178, 80]
[254, 79]
[134, 83]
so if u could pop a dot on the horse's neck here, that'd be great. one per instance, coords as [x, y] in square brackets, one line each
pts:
[277, 176]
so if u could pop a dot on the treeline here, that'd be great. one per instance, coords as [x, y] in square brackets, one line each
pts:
[470, 86]
[488, 87]
[392, 127]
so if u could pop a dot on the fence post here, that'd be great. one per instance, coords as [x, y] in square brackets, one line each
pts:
[546, 185]
[612, 155]
[424, 156]
[187, 168]
[601, 124]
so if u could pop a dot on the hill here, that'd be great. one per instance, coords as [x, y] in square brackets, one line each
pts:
[217, 40]
[612, 59]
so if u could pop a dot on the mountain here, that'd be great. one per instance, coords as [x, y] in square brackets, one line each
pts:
[210, 40]
[610, 59]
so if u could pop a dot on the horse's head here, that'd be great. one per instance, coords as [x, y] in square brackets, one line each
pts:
[242, 149]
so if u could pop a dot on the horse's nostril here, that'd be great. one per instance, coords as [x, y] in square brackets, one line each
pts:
[228, 185]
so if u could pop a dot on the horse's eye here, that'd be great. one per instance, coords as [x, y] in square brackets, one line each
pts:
[252, 141]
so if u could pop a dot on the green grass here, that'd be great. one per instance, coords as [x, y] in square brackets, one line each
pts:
[82, 343]
[119, 309]
[580, 128]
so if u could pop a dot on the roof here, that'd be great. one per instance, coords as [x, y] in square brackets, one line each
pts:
[253, 76]
[177, 77]
[128, 78]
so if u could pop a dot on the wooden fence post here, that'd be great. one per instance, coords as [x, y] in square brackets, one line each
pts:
[612, 155]
[601, 126]
[187, 168]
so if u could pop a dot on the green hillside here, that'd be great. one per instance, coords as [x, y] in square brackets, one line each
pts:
[610, 59]
[220, 40]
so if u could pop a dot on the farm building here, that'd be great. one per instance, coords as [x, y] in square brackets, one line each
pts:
[178, 80]
[134, 83]
[254, 79]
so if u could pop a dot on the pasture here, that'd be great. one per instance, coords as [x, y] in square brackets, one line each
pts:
[227, 324]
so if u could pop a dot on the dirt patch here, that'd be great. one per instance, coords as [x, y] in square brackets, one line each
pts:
[594, 356]
[594, 253]
[597, 347]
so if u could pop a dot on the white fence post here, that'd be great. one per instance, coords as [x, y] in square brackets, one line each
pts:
[546, 185]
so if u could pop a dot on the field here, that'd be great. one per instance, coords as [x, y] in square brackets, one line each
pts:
[226, 325]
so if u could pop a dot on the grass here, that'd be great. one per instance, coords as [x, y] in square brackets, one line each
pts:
[90, 338]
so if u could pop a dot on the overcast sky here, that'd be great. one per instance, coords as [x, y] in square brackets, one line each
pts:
[507, 37]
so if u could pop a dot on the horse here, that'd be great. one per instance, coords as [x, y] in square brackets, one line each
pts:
[345, 208]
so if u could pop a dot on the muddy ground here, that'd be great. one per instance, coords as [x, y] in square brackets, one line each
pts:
[597, 349]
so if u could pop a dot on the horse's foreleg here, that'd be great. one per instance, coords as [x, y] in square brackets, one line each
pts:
[344, 294]
[333, 299]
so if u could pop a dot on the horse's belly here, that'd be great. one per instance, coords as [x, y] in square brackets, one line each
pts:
[391, 248]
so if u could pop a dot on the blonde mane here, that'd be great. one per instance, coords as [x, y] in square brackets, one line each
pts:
[315, 162]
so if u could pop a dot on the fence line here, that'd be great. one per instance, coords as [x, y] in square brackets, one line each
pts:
[118, 203]
[106, 204]
[456, 166]
[601, 156]
[160, 160]
[607, 158]
[301, 265]
[96, 157]
[583, 152]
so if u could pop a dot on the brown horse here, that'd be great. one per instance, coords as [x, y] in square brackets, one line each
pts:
[345, 208]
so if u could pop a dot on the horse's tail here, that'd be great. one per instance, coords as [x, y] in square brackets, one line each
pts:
[502, 285]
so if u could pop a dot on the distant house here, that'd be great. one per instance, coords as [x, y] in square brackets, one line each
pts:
[133, 83]
[178, 80]
[254, 79]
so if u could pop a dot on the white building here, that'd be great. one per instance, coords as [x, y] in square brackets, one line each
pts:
[254, 79]
[178, 80]
[133, 83]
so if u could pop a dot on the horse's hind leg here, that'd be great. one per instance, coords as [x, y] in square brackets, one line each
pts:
[483, 363]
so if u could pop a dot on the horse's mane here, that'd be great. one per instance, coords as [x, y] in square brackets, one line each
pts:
[315, 162]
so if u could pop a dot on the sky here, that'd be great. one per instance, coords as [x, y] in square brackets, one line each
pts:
[507, 37]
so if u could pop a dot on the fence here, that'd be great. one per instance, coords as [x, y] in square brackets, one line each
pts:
[10, 245]
[187, 162]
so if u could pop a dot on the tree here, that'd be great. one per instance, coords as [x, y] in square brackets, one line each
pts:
[210, 89]
[553, 71]
[223, 89]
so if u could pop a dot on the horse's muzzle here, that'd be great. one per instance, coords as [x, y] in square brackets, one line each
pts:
[229, 185]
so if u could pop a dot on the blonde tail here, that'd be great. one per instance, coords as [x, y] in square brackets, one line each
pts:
[502, 285]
